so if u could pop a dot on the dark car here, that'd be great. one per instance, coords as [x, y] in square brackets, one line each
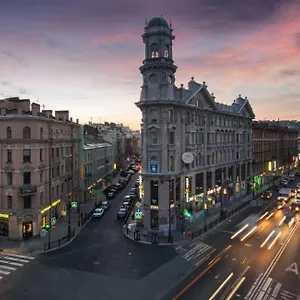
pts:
[266, 195]
[116, 186]
[122, 213]
[111, 194]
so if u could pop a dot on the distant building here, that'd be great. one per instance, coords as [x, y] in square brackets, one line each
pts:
[38, 167]
[196, 152]
[274, 150]
[99, 165]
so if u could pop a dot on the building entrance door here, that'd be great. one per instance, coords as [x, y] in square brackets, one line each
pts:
[27, 229]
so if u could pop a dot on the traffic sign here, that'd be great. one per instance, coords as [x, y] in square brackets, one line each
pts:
[53, 221]
[138, 215]
[138, 209]
[138, 204]
[74, 204]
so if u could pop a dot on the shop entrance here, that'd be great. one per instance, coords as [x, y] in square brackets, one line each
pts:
[27, 229]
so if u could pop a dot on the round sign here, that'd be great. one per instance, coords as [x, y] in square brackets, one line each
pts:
[187, 157]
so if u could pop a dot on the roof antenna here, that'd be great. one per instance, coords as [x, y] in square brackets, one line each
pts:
[170, 24]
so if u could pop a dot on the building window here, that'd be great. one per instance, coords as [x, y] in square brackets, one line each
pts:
[171, 163]
[57, 190]
[9, 156]
[9, 178]
[171, 116]
[8, 133]
[166, 53]
[27, 201]
[171, 138]
[26, 155]
[57, 152]
[52, 152]
[26, 178]
[57, 171]
[41, 198]
[9, 202]
[41, 154]
[26, 133]
[41, 133]
[41, 177]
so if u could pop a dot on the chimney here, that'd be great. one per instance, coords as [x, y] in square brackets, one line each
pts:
[3, 111]
[35, 109]
[71, 120]
[77, 121]
[47, 113]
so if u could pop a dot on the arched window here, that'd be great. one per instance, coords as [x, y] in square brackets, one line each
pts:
[166, 52]
[171, 163]
[8, 133]
[41, 133]
[154, 51]
[26, 133]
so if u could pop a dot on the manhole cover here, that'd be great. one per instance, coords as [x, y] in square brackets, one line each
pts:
[96, 263]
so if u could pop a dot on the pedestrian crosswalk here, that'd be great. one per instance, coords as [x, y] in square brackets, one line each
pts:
[10, 262]
[194, 252]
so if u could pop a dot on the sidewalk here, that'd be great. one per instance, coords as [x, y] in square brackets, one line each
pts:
[200, 225]
[59, 235]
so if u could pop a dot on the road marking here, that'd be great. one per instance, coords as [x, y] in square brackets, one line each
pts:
[10, 263]
[293, 268]
[16, 259]
[286, 295]
[8, 268]
[20, 256]
[276, 290]
[4, 272]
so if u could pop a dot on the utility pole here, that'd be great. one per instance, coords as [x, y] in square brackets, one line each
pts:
[50, 182]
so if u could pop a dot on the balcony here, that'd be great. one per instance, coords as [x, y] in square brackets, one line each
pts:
[28, 190]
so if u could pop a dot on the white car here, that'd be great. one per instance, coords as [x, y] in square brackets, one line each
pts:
[98, 213]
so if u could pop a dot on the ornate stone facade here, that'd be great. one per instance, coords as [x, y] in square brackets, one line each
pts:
[216, 137]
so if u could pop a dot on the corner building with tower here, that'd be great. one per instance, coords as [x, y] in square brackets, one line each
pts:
[196, 152]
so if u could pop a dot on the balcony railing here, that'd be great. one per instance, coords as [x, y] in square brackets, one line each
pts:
[28, 190]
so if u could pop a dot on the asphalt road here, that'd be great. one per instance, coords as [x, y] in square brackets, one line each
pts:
[231, 273]
[101, 258]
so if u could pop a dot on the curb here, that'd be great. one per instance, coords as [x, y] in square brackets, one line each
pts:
[70, 241]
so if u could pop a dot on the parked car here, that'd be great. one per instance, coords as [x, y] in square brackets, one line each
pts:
[98, 213]
[285, 182]
[128, 198]
[122, 213]
[266, 195]
[126, 204]
[105, 205]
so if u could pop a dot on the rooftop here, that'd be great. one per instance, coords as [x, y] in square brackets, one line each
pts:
[96, 146]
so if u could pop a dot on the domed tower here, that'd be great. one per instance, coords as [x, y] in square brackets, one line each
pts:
[157, 128]
[158, 67]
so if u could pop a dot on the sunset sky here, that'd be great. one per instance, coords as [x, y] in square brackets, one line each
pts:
[84, 55]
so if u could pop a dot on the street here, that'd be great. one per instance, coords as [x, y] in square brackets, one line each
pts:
[249, 245]
[101, 261]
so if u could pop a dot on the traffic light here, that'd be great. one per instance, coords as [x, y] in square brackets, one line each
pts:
[47, 227]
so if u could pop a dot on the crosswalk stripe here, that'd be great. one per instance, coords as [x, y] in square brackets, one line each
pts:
[20, 256]
[4, 272]
[8, 268]
[16, 259]
[11, 263]
[1, 277]
[197, 254]
[196, 251]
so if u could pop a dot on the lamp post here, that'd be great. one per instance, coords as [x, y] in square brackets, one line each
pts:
[171, 197]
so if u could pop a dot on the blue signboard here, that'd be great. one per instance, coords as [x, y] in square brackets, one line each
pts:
[153, 166]
[138, 209]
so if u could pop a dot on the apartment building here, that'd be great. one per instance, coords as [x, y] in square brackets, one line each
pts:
[275, 150]
[38, 166]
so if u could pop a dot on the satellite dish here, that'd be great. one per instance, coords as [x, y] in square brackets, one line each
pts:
[187, 157]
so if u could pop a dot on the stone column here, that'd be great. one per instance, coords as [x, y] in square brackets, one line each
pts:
[234, 181]
[146, 203]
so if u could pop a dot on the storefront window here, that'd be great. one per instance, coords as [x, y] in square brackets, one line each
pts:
[4, 227]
